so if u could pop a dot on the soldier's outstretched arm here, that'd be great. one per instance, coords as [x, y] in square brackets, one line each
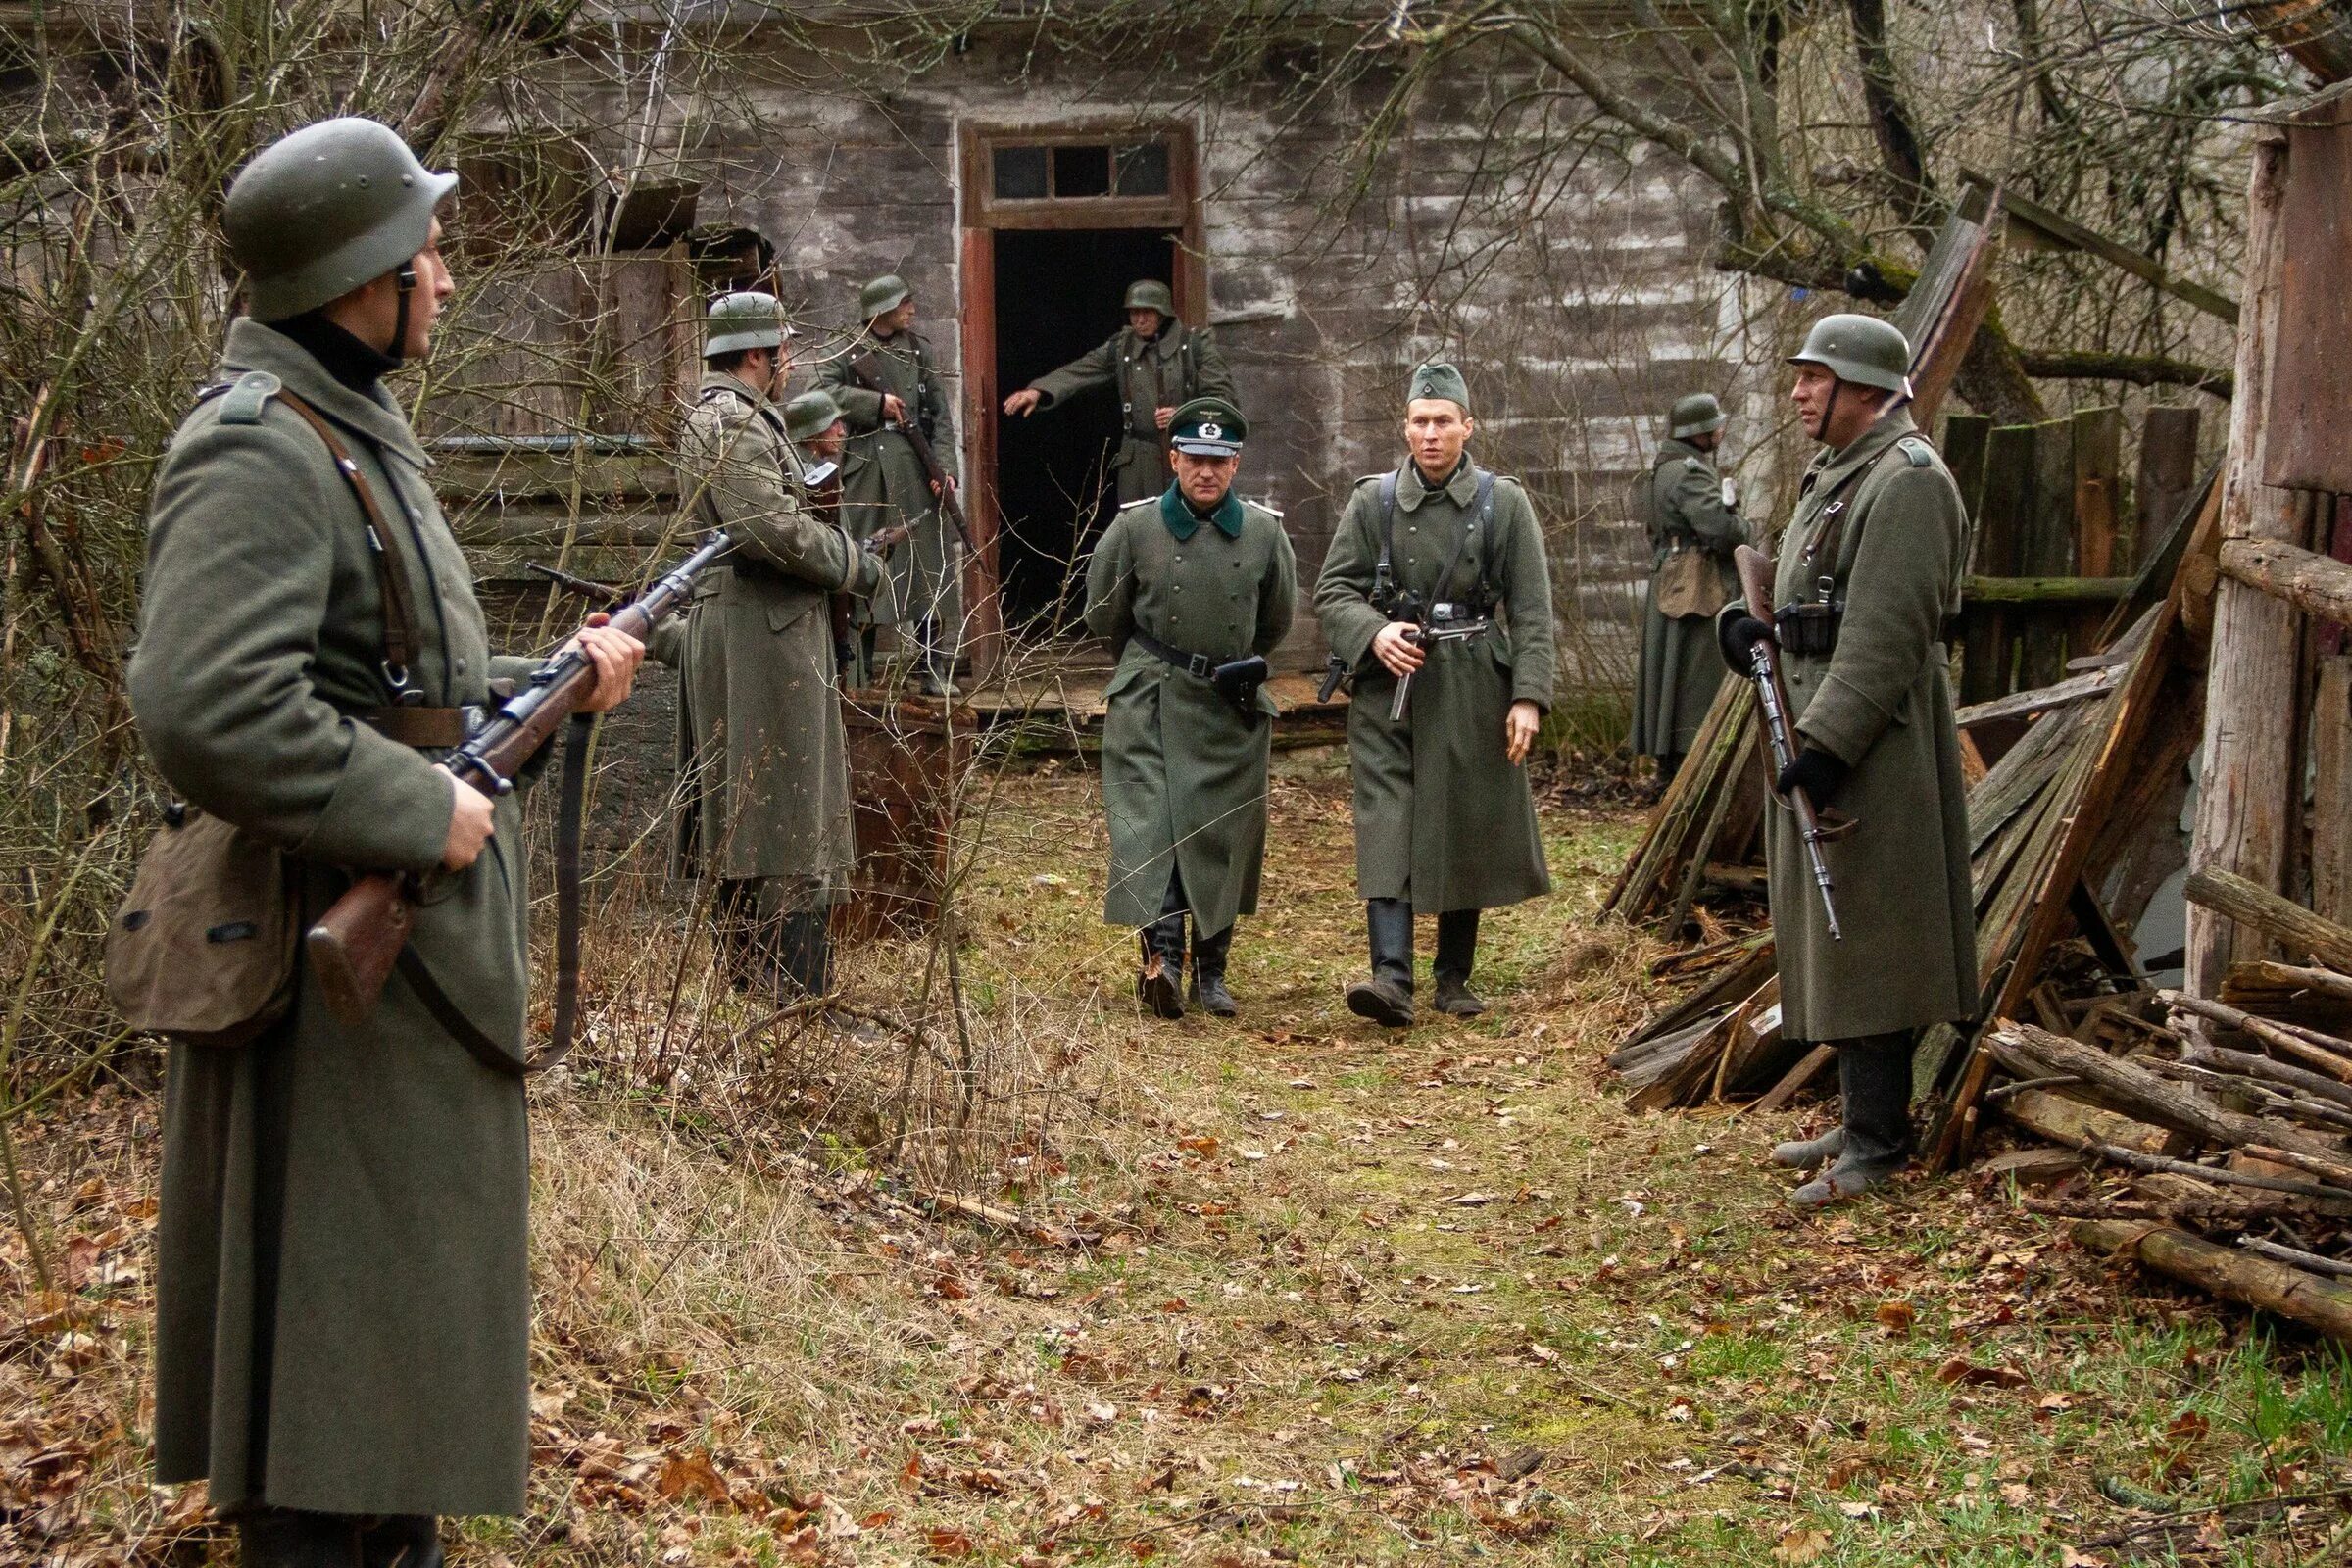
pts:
[1894, 597]
[1096, 368]
[1110, 585]
[240, 567]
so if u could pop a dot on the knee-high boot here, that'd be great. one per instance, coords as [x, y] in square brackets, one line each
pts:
[1457, 951]
[1387, 996]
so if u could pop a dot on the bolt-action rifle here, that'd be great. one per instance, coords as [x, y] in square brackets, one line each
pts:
[869, 373]
[1772, 697]
[822, 481]
[355, 944]
[602, 595]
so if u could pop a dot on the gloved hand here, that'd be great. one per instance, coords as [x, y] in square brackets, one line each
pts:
[1736, 637]
[1817, 772]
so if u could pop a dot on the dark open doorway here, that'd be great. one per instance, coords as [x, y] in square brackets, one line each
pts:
[1058, 293]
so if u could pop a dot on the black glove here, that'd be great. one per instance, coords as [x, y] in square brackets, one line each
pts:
[1736, 637]
[1816, 771]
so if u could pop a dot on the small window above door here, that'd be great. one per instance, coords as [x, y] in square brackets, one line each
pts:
[1049, 179]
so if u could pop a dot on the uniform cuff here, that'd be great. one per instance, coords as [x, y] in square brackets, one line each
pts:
[389, 811]
[1842, 721]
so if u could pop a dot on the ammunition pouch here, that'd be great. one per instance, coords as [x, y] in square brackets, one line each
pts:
[1809, 628]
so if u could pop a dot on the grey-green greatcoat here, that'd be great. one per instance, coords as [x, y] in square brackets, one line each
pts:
[1146, 374]
[1184, 772]
[762, 753]
[1680, 665]
[882, 482]
[343, 1301]
[1881, 702]
[1441, 816]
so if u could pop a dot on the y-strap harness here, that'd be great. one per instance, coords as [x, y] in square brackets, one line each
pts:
[1406, 605]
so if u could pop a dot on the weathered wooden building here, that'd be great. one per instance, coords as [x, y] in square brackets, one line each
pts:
[1021, 179]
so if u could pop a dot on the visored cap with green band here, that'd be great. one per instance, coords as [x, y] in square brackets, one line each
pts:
[1208, 428]
[325, 210]
[1861, 349]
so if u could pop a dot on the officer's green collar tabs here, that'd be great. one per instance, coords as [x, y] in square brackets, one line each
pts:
[1208, 428]
[810, 414]
[1183, 521]
[882, 296]
[1440, 379]
[1460, 486]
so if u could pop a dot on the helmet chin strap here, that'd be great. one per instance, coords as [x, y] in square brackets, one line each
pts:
[1828, 409]
[404, 279]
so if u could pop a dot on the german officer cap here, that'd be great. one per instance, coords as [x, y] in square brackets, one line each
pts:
[1208, 428]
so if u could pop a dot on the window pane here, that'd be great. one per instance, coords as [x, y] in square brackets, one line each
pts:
[1081, 172]
[1020, 174]
[1144, 170]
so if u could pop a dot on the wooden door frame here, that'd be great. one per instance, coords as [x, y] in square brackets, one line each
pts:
[980, 216]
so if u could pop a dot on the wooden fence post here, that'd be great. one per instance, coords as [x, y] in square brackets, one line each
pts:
[2242, 806]
[2167, 472]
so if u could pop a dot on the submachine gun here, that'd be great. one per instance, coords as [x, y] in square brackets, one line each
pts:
[362, 937]
[1815, 826]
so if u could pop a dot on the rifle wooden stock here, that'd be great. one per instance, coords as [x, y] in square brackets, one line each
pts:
[354, 946]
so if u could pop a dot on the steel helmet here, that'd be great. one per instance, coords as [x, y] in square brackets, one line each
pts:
[1150, 294]
[810, 414]
[885, 293]
[746, 319]
[1861, 349]
[1695, 415]
[325, 210]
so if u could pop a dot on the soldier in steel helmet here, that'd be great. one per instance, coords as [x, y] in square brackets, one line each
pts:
[1436, 572]
[763, 755]
[892, 486]
[1688, 509]
[1154, 364]
[342, 1295]
[1189, 732]
[1868, 578]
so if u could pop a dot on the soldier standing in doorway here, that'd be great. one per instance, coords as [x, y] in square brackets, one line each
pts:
[886, 381]
[1155, 363]
[1436, 574]
[1189, 731]
[342, 1294]
[763, 756]
[1869, 575]
[1687, 508]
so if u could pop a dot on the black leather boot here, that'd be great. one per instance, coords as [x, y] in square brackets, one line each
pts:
[1874, 1087]
[1158, 983]
[804, 953]
[1209, 990]
[735, 933]
[1457, 951]
[1387, 996]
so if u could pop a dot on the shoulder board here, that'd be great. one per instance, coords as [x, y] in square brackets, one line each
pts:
[1917, 451]
[1266, 506]
[710, 393]
[1147, 501]
[243, 400]
[1696, 465]
[1371, 478]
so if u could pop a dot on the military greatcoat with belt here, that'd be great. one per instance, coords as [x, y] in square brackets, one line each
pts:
[1441, 816]
[1184, 770]
[1147, 375]
[1883, 521]
[1680, 665]
[762, 749]
[882, 482]
[343, 1301]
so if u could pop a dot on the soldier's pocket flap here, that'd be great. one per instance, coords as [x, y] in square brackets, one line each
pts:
[203, 950]
[785, 613]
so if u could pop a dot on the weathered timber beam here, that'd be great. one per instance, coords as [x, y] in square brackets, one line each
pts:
[2017, 704]
[2057, 226]
[2125, 1086]
[2230, 1275]
[2282, 919]
[2133, 369]
[2044, 590]
[2315, 584]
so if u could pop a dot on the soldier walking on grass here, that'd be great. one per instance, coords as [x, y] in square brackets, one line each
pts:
[1193, 590]
[1154, 364]
[1692, 531]
[889, 485]
[1868, 578]
[763, 755]
[1436, 574]
[342, 1295]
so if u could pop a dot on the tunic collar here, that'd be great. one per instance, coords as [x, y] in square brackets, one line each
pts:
[1675, 447]
[1183, 521]
[720, 380]
[374, 414]
[1461, 488]
[1890, 427]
